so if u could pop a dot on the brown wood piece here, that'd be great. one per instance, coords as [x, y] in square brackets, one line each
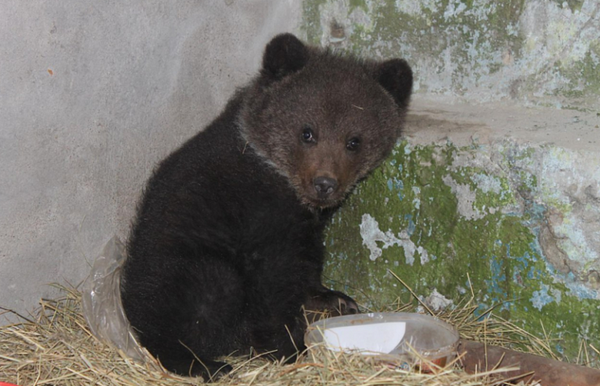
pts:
[547, 371]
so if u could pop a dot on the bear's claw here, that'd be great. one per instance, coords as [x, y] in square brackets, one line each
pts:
[329, 303]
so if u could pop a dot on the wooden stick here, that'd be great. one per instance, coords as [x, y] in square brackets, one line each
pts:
[477, 357]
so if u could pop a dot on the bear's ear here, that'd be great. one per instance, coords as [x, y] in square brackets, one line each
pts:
[285, 54]
[396, 77]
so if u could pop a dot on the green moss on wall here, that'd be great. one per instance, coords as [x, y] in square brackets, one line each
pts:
[413, 210]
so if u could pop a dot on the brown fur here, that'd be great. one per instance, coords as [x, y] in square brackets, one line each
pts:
[339, 99]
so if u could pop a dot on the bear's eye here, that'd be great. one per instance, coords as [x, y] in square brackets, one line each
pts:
[353, 144]
[307, 134]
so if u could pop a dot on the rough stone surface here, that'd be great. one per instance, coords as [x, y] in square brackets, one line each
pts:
[93, 95]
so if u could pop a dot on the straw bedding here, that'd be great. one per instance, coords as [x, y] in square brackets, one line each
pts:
[57, 348]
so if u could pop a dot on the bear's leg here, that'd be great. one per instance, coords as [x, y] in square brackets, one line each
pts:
[275, 319]
[277, 294]
[281, 341]
[188, 311]
[282, 323]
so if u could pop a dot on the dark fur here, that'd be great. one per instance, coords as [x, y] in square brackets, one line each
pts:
[227, 245]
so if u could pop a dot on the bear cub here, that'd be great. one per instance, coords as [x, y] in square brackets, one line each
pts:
[227, 246]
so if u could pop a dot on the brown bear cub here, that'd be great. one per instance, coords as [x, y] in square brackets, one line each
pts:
[227, 247]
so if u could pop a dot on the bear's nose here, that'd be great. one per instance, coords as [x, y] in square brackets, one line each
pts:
[324, 186]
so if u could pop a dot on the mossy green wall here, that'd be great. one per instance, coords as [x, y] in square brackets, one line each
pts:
[439, 216]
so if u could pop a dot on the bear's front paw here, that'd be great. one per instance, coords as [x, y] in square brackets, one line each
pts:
[329, 303]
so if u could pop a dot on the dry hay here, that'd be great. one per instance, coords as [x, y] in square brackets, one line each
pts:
[57, 348]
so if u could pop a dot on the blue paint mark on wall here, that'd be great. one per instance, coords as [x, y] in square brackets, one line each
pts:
[395, 183]
[497, 294]
[411, 225]
[542, 297]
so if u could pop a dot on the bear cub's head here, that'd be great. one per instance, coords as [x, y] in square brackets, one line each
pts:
[324, 120]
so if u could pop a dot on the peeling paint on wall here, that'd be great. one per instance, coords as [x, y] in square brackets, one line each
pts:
[437, 302]
[371, 234]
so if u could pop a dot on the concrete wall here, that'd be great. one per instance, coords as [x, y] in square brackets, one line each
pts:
[92, 95]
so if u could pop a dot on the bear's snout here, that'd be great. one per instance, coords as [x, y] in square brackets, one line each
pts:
[325, 186]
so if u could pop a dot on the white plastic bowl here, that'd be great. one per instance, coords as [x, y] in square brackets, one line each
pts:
[397, 338]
